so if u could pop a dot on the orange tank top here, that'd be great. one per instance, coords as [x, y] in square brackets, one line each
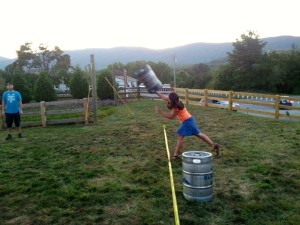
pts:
[183, 114]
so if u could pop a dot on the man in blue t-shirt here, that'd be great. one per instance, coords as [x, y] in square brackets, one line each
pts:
[12, 109]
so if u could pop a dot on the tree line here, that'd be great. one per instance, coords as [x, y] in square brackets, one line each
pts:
[247, 68]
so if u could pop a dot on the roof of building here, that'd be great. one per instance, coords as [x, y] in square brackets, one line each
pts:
[129, 78]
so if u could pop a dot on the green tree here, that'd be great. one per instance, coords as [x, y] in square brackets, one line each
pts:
[30, 80]
[247, 52]
[54, 62]
[245, 69]
[104, 90]
[25, 58]
[200, 73]
[2, 86]
[21, 85]
[183, 78]
[44, 89]
[226, 79]
[79, 86]
[293, 78]
[245, 59]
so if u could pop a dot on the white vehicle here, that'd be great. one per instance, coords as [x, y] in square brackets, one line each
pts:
[222, 103]
[167, 86]
[226, 104]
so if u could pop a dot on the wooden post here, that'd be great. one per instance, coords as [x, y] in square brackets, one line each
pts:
[43, 114]
[206, 97]
[125, 82]
[277, 107]
[230, 101]
[86, 111]
[114, 85]
[138, 91]
[187, 96]
[94, 90]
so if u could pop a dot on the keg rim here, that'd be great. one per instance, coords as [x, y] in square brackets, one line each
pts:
[202, 155]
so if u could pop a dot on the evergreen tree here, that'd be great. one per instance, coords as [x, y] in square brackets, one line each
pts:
[246, 69]
[21, 85]
[79, 86]
[245, 61]
[104, 90]
[44, 89]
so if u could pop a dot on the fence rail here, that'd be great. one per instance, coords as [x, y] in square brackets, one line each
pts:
[39, 114]
[252, 100]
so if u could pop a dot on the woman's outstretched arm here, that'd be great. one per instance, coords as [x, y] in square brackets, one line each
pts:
[163, 97]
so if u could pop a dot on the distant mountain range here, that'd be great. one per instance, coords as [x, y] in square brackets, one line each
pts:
[185, 55]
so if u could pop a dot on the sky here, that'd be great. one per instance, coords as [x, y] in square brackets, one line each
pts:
[155, 24]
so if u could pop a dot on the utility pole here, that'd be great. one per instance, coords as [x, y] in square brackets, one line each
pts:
[125, 82]
[94, 90]
[114, 84]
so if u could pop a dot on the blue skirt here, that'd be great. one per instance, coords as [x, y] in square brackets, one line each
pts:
[188, 127]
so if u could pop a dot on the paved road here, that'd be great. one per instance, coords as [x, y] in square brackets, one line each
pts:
[269, 109]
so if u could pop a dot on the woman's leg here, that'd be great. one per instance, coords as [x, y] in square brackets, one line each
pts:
[179, 145]
[205, 138]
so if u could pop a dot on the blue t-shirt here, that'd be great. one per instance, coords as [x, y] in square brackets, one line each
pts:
[12, 100]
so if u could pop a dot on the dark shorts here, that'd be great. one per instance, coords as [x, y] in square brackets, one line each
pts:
[188, 127]
[13, 118]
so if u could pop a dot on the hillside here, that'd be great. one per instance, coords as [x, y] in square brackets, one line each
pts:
[185, 55]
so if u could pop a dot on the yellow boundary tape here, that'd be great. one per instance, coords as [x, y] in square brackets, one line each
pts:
[120, 97]
[177, 222]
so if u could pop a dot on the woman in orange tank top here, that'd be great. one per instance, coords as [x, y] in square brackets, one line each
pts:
[188, 125]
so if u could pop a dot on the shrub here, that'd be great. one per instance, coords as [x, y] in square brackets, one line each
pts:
[104, 90]
[79, 86]
[44, 89]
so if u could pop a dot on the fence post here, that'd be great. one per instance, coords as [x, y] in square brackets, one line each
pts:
[230, 96]
[94, 90]
[277, 107]
[43, 114]
[86, 111]
[206, 97]
[138, 91]
[186, 96]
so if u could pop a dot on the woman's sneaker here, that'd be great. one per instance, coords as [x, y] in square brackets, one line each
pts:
[217, 149]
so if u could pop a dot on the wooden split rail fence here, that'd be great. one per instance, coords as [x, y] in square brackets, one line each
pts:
[193, 96]
[78, 111]
[58, 112]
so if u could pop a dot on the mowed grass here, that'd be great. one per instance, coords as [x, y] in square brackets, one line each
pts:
[117, 172]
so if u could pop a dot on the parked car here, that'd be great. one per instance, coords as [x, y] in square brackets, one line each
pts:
[210, 101]
[285, 102]
[235, 106]
[142, 85]
[225, 104]
[166, 86]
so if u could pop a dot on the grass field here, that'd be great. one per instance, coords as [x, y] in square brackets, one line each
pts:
[117, 172]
